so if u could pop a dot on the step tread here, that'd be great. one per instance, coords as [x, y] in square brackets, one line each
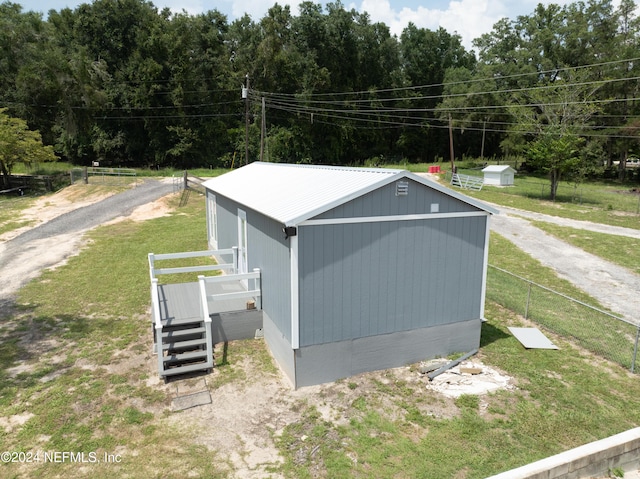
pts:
[180, 321]
[183, 332]
[187, 369]
[184, 344]
[176, 357]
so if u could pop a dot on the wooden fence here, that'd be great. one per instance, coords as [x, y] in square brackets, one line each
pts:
[21, 184]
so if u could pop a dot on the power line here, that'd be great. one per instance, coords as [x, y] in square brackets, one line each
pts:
[438, 85]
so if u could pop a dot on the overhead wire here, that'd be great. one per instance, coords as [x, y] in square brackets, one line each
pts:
[373, 109]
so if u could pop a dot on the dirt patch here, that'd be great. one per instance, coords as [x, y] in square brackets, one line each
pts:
[27, 263]
[156, 209]
[247, 416]
[11, 422]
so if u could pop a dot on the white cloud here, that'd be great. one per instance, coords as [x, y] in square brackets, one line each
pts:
[468, 18]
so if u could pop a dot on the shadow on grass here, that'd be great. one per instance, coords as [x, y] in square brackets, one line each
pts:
[491, 334]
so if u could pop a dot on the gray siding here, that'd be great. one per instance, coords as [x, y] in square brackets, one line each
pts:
[328, 362]
[235, 325]
[368, 279]
[280, 348]
[227, 222]
[267, 250]
[384, 202]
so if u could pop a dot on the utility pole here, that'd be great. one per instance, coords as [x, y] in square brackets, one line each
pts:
[245, 95]
[484, 130]
[263, 132]
[453, 165]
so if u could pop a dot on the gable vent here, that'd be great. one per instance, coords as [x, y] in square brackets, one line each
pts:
[402, 188]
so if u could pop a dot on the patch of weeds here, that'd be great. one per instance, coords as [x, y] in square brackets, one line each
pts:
[616, 472]
[313, 447]
[9, 352]
[126, 390]
[414, 415]
[468, 401]
[360, 403]
[230, 356]
[117, 379]
[149, 429]
[150, 395]
[131, 415]
[352, 385]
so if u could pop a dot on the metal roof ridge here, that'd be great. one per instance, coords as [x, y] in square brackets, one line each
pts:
[389, 171]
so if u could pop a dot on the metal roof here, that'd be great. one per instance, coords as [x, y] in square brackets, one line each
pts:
[291, 193]
[497, 168]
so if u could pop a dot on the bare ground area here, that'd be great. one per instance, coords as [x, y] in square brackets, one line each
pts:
[244, 419]
[21, 260]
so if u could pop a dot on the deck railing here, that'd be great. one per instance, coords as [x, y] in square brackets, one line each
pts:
[254, 293]
[157, 322]
[230, 267]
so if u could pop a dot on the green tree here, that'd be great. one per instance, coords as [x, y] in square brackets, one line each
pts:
[19, 144]
[553, 118]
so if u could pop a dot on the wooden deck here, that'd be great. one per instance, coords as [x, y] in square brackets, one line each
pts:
[231, 320]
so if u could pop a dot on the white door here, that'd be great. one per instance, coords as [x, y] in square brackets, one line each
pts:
[243, 262]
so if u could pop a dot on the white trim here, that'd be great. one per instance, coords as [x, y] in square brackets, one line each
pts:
[243, 245]
[485, 267]
[380, 219]
[295, 294]
[386, 179]
[212, 220]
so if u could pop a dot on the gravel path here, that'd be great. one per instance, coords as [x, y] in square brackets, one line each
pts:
[25, 256]
[613, 286]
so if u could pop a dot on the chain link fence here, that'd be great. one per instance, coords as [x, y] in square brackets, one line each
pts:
[603, 333]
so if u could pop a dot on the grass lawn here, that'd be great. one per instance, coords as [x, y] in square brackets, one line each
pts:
[77, 374]
[10, 210]
[608, 203]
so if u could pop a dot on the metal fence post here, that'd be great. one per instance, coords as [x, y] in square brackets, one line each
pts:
[526, 308]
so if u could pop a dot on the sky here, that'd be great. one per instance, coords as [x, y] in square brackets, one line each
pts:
[468, 18]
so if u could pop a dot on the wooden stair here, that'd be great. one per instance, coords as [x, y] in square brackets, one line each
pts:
[184, 347]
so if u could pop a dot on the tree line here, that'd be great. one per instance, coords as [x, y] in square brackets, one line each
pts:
[124, 83]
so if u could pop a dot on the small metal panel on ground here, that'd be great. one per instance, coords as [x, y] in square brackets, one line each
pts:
[190, 393]
[181, 403]
[532, 338]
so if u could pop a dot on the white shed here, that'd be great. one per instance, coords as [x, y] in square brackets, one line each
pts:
[498, 175]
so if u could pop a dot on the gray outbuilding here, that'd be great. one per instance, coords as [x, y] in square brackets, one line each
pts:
[362, 269]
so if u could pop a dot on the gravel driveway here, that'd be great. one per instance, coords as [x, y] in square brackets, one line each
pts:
[613, 286]
[23, 257]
